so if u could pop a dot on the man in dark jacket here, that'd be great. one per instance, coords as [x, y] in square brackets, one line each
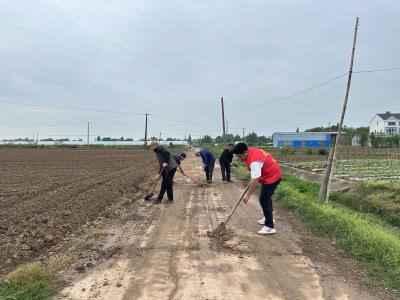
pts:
[168, 167]
[179, 158]
[208, 162]
[225, 161]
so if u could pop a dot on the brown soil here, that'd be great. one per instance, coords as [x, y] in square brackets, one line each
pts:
[48, 195]
[163, 252]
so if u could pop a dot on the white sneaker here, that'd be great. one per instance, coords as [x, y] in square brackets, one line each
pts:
[266, 230]
[262, 221]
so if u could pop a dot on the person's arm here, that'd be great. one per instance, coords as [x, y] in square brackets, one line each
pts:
[255, 170]
[183, 172]
[204, 158]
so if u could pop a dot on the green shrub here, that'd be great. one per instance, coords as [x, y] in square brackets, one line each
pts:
[322, 151]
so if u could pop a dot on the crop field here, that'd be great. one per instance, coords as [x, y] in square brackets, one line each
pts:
[46, 195]
[362, 168]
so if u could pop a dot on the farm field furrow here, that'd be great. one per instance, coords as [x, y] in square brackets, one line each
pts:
[46, 195]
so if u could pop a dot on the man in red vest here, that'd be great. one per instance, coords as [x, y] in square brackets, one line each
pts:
[264, 170]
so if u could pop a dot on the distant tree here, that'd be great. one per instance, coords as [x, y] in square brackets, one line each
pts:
[237, 138]
[251, 138]
[364, 139]
[129, 139]
[98, 139]
[106, 139]
[297, 130]
[218, 139]
[153, 138]
[189, 139]
[122, 138]
[206, 139]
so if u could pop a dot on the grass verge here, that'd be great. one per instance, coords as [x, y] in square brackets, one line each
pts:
[359, 234]
[29, 282]
[38, 282]
[377, 249]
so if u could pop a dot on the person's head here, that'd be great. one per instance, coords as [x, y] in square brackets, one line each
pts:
[154, 145]
[230, 147]
[197, 152]
[241, 150]
[183, 156]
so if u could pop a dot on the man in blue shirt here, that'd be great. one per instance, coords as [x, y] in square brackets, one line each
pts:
[208, 162]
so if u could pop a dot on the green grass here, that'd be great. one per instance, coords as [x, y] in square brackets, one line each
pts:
[30, 282]
[357, 233]
[360, 234]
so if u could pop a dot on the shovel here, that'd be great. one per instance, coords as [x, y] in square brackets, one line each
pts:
[217, 232]
[148, 196]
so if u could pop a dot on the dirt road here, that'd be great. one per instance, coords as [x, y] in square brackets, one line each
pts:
[163, 252]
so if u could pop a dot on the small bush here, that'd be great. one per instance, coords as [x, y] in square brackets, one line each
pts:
[322, 151]
[309, 151]
[287, 151]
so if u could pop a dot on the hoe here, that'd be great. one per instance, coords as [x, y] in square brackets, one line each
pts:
[219, 231]
[148, 196]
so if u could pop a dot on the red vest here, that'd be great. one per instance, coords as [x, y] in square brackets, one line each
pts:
[270, 172]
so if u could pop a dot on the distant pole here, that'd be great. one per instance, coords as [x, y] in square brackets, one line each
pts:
[227, 131]
[223, 120]
[330, 165]
[145, 134]
[159, 139]
[243, 133]
[37, 137]
[88, 133]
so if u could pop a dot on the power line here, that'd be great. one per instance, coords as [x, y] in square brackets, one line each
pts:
[299, 92]
[43, 105]
[377, 70]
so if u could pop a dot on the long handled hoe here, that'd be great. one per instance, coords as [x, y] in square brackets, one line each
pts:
[148, 196]
[217, 232]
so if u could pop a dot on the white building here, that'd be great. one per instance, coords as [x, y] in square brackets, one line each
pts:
[387, 123]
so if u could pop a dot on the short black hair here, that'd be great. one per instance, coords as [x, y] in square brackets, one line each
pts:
[183, 155]
[229, 145]
[240, 148]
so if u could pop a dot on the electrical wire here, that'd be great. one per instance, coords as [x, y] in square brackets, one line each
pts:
[42, 105]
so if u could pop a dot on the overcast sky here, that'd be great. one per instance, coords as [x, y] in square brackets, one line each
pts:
[175, 59]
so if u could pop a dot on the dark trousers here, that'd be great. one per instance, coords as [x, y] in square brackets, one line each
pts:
[166, 185]
[267, 190]
[209, 169]
[226, 171]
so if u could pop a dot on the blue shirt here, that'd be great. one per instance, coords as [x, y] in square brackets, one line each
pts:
[207, 157]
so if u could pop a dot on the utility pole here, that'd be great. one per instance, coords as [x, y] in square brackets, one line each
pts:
[243, 129]
[227, 131]
[37, 137]
[223, 120]
[159, 139]
[145, 134]
[88, 134]
[330, 165]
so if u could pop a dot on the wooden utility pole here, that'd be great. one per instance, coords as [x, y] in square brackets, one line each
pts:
[330, 165]
[145, 134]
[88, 133]
[223, 120]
